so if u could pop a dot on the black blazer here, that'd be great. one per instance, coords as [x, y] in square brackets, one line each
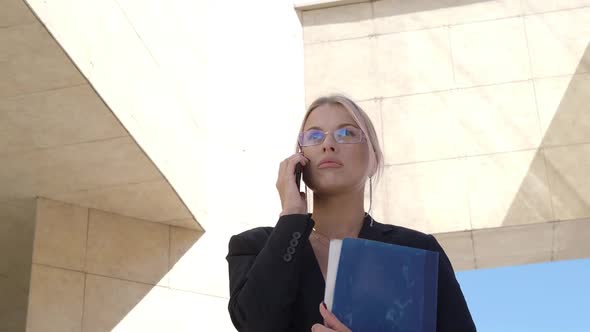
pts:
[276, 284]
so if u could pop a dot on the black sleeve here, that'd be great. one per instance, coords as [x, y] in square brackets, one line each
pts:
[452, 312]
[264, 275]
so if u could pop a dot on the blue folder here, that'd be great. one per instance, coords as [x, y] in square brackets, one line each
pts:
[373, 286]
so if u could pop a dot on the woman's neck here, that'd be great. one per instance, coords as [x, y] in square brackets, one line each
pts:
[339, 216]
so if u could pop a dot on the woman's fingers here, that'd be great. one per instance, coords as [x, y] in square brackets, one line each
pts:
[320, 328]
[297, 158]
[331, 321]
[292, 201]
[287, 167]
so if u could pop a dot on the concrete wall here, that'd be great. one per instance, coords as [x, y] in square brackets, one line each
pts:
[195, 85]
[17, 226]
[97, 271]
[57, 137]
[189, 81]
[483, 108]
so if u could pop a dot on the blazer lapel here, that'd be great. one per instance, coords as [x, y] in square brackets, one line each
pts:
[376, 231]
[312, 287]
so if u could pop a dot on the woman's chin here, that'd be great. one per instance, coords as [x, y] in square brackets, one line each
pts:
[331, 188]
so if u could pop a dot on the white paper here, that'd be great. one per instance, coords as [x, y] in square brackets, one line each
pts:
[333, 261]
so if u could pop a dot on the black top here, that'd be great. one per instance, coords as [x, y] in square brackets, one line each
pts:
[276, 284]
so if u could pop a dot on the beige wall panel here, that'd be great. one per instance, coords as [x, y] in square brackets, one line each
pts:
[127, 248]
[497, 118]
[343, 22]
[568, 168]
[60, 21]
[513, 245]
[536, 6]
[53, 118]
[413, 62]
[430, 197]
[559, 42]
[60, 235]
[118, 305]
[391, 16]
[381, 202]
[459, 247]
[564, 109]
[465, 11]
[56, 300]
[508, 189]
[421, 128]
[571, 239]
[155, 24]
[343, 66]
[74, 167]
[33, 62]
[154, 201]
[318, 4]
[401, 15]
[490, 52]
[373, 110]
[15, 12]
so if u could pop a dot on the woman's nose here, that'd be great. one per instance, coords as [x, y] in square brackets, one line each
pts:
[329, 143]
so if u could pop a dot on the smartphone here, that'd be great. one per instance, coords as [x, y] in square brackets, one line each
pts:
[298, 173]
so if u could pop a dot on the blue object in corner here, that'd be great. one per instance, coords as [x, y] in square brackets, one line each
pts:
[385, 287]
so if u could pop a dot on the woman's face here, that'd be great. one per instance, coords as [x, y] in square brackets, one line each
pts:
[349, 167]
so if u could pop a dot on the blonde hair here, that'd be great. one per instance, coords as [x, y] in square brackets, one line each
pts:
[362, 120]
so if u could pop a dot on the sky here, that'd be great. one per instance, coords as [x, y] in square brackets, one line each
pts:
[547, 297]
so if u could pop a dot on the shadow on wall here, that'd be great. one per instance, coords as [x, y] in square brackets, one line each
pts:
[139, 291]
[555, 188]
[17, 227]
[390, 8]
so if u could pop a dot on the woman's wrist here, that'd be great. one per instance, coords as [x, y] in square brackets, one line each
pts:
[292, 211]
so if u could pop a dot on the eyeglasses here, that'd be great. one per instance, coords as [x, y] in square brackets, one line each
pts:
[344, 135]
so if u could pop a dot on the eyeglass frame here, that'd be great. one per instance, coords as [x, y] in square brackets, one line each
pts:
[300, 136]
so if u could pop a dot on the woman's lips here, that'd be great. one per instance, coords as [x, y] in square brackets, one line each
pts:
[329, 164]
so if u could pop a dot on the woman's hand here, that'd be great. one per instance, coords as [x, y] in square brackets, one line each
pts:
[292, 201]
[331, 323]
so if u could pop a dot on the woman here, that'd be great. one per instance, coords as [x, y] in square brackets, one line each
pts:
[277, 274]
